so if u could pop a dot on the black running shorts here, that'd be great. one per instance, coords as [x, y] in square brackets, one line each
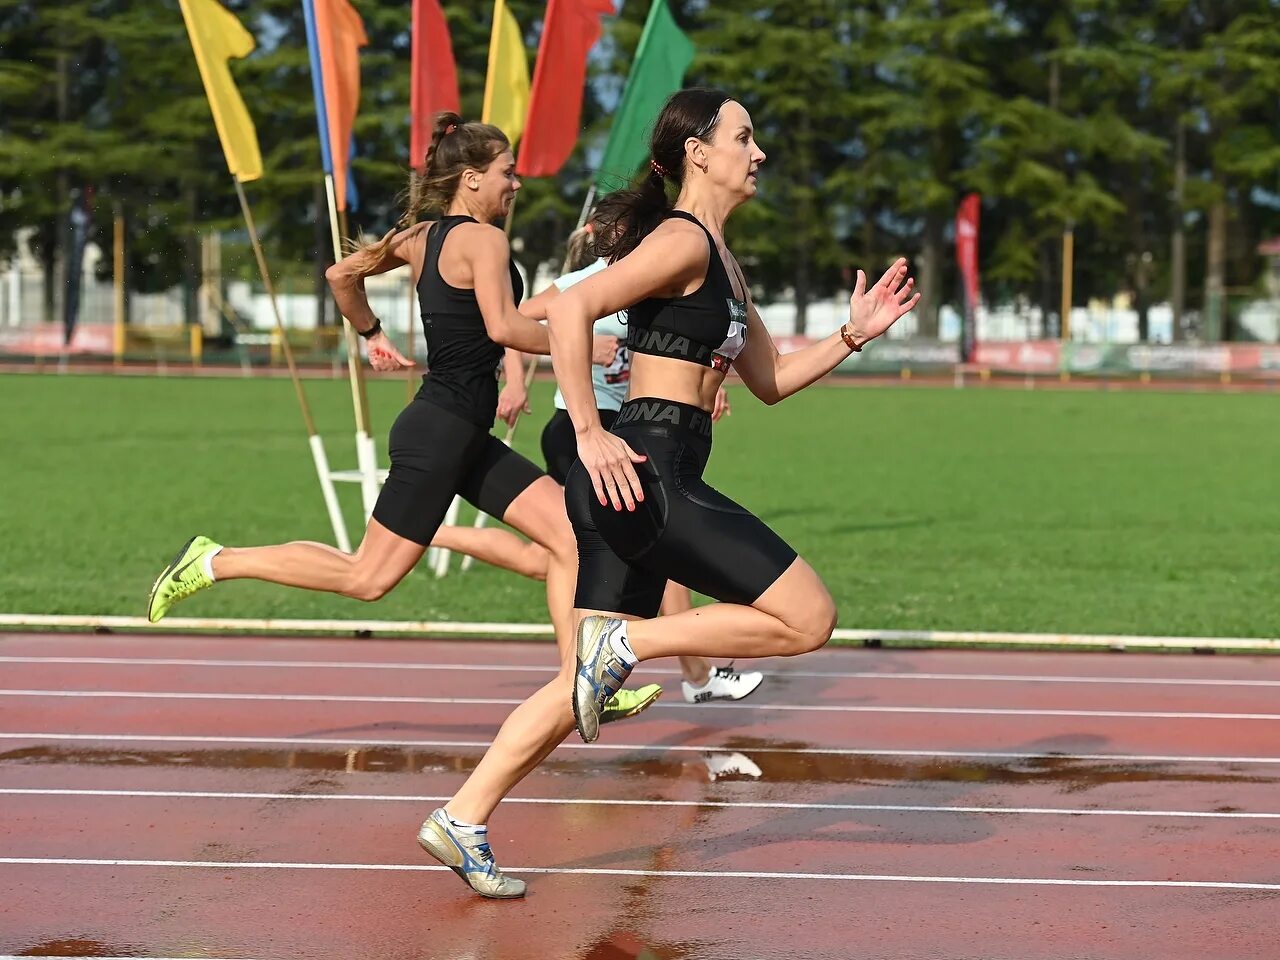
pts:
[684, 530]
[436, 454]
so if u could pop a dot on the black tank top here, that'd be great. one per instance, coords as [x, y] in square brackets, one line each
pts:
[462, 362]
[708, 326]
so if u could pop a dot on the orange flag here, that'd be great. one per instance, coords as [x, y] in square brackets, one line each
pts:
[339, 37]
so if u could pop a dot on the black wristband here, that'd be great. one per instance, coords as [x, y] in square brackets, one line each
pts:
[372, 331]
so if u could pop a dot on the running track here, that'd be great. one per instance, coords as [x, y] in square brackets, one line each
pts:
[255, 798]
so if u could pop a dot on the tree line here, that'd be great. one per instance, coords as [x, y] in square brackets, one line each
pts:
[1149, 128]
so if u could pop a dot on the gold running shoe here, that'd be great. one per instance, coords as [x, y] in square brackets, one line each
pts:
[601, 673]
[469, 856]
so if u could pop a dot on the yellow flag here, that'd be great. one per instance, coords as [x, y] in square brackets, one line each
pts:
[216, 36]
[506, 88]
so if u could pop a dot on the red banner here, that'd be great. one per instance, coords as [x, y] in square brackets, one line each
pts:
[967, 247]
[433, 80]
[1030, 356]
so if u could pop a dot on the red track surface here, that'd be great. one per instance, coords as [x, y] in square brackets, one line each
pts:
[910, 826]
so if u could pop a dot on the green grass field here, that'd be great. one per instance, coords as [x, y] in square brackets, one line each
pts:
[923, 509]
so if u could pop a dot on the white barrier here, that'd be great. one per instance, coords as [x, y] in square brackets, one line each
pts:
[448, 628]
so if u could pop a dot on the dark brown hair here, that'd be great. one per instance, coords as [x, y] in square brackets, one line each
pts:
[628, 216]
[456, 146]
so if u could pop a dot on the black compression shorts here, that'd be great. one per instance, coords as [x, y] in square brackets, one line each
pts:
[683, 530]
[436, 454]
[560, 445]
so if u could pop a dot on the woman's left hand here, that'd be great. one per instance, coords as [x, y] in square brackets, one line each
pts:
[513, 401]
[872, 312]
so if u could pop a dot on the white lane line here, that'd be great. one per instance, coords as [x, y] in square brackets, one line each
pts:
[637, 748]
[526, 668]
[514, 701]
[675, 874]
[578, 801]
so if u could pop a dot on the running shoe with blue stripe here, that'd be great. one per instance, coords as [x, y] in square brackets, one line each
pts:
[601, 673]
[468, 855]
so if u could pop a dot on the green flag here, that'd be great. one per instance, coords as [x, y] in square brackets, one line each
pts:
[662, 58]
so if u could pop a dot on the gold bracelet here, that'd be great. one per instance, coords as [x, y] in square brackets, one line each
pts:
[847, 337]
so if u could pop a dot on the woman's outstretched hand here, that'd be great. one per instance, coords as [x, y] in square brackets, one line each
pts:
[872, 312]
[608, 461]
[384, 356]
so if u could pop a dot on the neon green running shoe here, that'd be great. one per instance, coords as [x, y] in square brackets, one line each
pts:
[181, 578]
[627, 703]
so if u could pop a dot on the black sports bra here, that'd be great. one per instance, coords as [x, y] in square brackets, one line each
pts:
[708, 326]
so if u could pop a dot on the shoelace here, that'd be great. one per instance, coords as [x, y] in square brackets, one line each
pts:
[185, 588]
[726, 673]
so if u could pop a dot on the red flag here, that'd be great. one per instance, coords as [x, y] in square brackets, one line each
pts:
[569, 30]
[967, 246]
[434, 76]
[339, 37]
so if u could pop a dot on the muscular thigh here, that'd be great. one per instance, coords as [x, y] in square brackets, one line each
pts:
[714, 545]
[432, 452]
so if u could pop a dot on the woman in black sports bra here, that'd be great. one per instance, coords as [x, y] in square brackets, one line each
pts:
[640, 509]
[440, 445]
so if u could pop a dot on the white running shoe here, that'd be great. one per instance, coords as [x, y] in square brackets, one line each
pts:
[724, 683]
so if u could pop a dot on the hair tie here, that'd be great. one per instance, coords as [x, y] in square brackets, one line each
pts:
[657, 168]
[588, 228]
[450, 128]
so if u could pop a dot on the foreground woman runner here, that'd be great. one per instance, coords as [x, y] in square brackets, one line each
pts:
[701, 681]
[640, 509]
[440, 445]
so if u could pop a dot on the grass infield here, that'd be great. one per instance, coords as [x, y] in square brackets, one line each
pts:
[1042, 511]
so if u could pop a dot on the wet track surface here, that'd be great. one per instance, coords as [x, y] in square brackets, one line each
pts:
[251, 798]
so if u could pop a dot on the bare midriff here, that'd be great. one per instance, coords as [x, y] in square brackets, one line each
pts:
[672, 379]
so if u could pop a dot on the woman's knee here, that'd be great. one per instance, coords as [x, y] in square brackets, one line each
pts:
[533, 561]
[560, 542]
[371, 583]
[810, 624]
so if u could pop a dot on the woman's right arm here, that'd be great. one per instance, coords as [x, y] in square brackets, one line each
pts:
[346, 280]
[662, 265]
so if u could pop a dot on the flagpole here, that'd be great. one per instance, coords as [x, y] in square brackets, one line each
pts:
[344, 233]
[317, 446]
[586, 205]
[365, 454]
